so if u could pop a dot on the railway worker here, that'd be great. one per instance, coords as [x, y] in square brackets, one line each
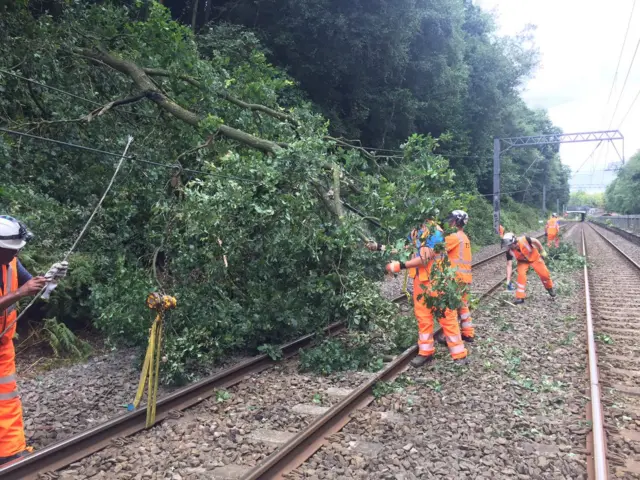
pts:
[458, 249]
[528, 252]
[17, 283]
[551, 230]
[501, 231]
[425, 240]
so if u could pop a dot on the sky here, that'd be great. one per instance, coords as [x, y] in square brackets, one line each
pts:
[580, 44]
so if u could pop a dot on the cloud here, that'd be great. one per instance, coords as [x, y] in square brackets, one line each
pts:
[580, 44]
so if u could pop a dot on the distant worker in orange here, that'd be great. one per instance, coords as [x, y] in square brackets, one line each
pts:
[501, 231]
[528, 252]
[552, 229]
[459, 252]
[17, 283]
[424, 240]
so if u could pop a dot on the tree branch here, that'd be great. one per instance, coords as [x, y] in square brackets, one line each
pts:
[144, 83]
[116, 103]
[254, 107]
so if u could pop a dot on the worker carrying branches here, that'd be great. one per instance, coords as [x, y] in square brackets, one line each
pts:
[424, 241]
[528, 252]
[551, 230]
[458, 249]
[17, 283]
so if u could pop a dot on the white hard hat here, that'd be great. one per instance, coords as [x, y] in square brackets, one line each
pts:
[508, 239]
[13, 234]
[460, 218]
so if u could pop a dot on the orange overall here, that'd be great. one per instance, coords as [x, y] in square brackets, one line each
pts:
[552, 230]
[528, 256]
[12, 439]
[424, 314]
[459, 251]
[501, 230]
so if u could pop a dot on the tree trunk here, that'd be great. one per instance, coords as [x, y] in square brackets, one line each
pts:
[194, 14]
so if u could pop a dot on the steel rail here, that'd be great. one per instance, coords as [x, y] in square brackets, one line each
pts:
[308, 441]
[629, 259]
[599, 450]
[61, 454]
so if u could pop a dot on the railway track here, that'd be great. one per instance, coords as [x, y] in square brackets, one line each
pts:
[613, 312]
[285, 452]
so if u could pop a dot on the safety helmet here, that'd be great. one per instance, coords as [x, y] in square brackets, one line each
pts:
[13, 234]
[460, 217]
[508, 239]
[554, 214]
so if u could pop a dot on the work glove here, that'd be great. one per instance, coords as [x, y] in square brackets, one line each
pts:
[543, 253]
[511, 287]
[57, 272]
[393, 267]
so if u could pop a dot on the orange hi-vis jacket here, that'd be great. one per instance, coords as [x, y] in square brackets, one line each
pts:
[418, 238]
[552, 226]
[501, 230]
[12, 439]
[459, 251]
[525, 252]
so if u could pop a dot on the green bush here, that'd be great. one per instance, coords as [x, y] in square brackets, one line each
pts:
[351, 352]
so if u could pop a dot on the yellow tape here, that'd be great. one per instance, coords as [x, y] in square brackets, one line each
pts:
[151, 367]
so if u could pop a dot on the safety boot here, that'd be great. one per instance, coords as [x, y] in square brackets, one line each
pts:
[519, 301]
[461, 362]
[467, 339]
[16, 456]
[552, 292]
[421, 360]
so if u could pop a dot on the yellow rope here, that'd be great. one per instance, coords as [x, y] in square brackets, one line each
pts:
[404, 285]
[151, 367]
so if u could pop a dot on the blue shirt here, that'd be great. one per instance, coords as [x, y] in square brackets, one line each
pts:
[431, 241]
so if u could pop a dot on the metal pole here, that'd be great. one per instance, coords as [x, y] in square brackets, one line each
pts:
[544, 199]
[496, 185]
[558, 206]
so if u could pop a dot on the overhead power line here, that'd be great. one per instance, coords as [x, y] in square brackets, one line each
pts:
[630, 108]
[130, 157]
[624, 84]
[624, 42]
[64, 92]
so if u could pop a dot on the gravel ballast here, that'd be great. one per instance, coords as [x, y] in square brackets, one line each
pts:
[516, 411]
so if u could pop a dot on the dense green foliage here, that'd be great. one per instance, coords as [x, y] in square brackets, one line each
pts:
[586, 199]
[621, 195]
[381, 70]
[255, 180]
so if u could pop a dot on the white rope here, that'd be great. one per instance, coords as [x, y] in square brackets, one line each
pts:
[75, 244]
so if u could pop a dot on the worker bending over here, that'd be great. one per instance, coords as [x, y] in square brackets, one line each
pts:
[528, 252]
[459, 252]
[424, 240]
[17, 283]
[551, 230]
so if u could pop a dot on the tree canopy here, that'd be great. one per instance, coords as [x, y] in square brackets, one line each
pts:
[621, 195]
[248, 182]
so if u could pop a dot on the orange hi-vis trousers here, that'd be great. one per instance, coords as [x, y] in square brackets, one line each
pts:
[466, 323]
[450, 326]
[542, 271]
[551, 237]
[12, 439]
